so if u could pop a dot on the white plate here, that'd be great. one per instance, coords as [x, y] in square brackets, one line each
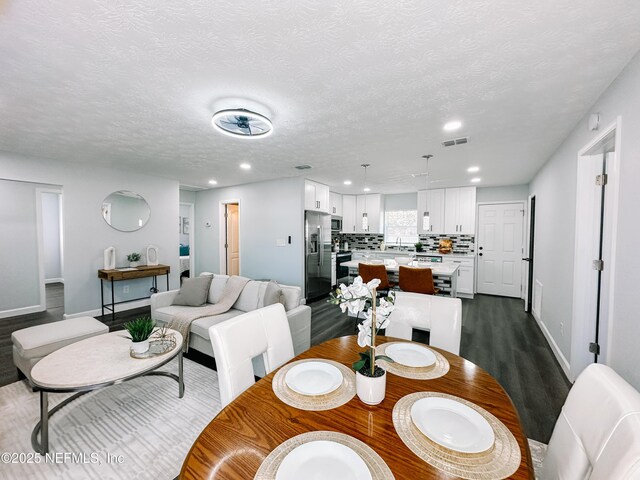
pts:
[322, 460]
[313, 378]
[452, 425]
[410, 355]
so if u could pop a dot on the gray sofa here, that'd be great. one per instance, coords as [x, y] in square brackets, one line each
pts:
[251, 298]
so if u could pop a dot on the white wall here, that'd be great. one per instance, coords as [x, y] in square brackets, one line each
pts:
[85, 232]
[502, 194]
[400, 201]
[555, 188]
[268, 211]
[19, 282]
[51, 236]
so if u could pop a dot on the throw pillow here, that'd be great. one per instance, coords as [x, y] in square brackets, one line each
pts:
[272, 293]
[194, 291]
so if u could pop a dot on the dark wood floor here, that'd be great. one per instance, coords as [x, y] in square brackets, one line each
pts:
[497, 335]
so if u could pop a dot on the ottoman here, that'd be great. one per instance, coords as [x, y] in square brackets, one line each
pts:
[33, 343]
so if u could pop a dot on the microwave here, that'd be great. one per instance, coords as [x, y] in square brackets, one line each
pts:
[336, 224]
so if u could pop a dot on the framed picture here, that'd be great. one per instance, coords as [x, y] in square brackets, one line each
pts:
[185, 225]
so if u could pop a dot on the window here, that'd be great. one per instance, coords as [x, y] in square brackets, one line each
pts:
[401, 224]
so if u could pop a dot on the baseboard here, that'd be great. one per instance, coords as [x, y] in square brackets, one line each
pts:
[54, 280]
[22, 311]
[123, 307]
[564, 364]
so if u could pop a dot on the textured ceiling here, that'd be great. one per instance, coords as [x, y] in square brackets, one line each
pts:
[134, 85]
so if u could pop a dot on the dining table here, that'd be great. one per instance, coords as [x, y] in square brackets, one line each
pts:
[237, 441]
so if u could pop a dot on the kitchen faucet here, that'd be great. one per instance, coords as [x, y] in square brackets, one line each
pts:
[399, 242]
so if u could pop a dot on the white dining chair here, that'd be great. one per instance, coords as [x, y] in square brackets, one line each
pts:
[597, 436]
[237, 341]
[440, 316]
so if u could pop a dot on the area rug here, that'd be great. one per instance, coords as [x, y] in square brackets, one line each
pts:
[135, 430]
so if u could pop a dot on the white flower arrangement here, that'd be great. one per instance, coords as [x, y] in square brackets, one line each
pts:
[354, 299]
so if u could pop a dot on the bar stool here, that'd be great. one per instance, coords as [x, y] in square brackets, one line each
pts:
[369, 272]
[417, 280]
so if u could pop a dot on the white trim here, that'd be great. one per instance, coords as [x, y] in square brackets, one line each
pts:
[21, 311]
[192, 238]
[119, 308]
[53, 280]
[564, 364]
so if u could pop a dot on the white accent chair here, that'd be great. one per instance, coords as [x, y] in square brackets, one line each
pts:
[237, 341]
[440, 316]
[597, 436]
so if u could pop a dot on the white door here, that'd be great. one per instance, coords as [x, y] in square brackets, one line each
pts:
[500, 249]
[233, 239]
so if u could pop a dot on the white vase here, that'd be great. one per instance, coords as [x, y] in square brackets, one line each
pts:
[134, 264]
[371, 390]
[140, 347]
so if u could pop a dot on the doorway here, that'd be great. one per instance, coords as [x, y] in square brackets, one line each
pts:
[50, 247]
[500, 230]
[232, 238]
[596, 220]
[528, 260]
[187, 241]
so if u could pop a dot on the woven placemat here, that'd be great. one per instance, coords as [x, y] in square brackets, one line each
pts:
[340, 396]
[438, 369]
[377, 467]
[500, 461]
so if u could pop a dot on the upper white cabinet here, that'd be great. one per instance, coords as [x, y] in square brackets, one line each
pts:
[460, 210]
[316, 196]
[372, 205]
[431, 201]
[348, 214]
[335, 204]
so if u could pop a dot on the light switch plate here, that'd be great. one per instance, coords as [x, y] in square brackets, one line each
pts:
[280, 242]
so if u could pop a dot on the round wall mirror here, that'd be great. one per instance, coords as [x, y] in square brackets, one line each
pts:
[125, 211]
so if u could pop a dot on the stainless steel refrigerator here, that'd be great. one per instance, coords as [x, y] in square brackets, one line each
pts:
[317, 233]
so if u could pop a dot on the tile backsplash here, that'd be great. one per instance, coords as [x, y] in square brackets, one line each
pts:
[462, 244]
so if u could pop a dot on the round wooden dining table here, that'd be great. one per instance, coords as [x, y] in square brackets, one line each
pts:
[241, 436]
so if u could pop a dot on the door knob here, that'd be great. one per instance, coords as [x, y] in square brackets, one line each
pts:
[479, 248]
[480, 254]
[526, 259]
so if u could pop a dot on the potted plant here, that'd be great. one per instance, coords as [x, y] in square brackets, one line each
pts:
[140, 330]
[419, 247]
[134, 259]
[371, 380]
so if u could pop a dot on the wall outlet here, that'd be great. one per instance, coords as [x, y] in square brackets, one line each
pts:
[561, 329]
[125, 289]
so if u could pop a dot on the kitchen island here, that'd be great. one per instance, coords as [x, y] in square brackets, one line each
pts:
[445, 275]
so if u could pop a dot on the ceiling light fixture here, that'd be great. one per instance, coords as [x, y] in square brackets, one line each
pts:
[426, 224]
[365, 219]
[347, 182]
[476, 180]
[452, 126]
[213, 182]
[242, 123]
[245, 166]
[473, 169]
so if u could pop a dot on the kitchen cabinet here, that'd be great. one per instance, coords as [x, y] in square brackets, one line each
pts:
[460, 210]
[316, 196]
[466, 274]
[372, 204]
[431, 201]
[348, 214]
[335, 204]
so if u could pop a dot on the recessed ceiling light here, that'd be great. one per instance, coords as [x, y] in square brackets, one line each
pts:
[347, 182]
[245, 166]
[367, 189]
[451, 126]
[475, 180]
[213, 182]
[242, 123]
[473, 169]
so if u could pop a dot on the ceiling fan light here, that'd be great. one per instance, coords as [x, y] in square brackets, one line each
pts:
[241, 123]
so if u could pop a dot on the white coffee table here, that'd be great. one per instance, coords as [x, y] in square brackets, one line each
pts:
[91, 364]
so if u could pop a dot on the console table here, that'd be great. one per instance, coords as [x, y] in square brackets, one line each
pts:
[129, 274]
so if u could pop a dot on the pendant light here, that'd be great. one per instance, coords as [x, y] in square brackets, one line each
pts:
[425, 215]
[365, 219]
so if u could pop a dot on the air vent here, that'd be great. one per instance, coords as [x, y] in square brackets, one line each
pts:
[302, 167]
[456, 141]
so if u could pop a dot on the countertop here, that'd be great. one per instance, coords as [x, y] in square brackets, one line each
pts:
[438, 268]
[400, 253]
